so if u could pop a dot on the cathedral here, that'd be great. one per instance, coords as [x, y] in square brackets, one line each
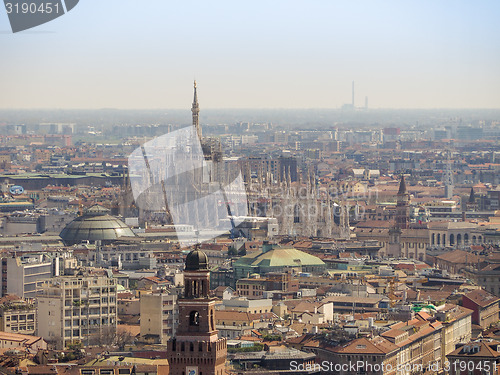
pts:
[300, 207]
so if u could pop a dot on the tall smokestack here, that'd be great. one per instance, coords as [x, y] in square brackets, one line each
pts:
[352, 94]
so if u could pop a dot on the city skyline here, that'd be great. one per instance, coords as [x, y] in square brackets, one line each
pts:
[281, 55]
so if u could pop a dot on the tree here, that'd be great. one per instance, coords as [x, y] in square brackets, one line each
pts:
[106, 337]
[124, 338]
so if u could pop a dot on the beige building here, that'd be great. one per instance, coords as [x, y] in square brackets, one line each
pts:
[457, 327]
[79, 308]
[17, 315]
[159, 316]
[18, 341]
[454, 234]
[22, 277]
[377, 355]
[242, 304]
[251, 288]
[488, 277]
[129, 306]
[411, 243]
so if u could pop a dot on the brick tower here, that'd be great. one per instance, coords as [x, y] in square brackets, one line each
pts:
[403, 206]
[196, 348]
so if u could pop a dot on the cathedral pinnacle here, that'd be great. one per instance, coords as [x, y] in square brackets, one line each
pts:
[195, 110]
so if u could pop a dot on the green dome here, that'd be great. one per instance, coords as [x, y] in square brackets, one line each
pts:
[276, 259]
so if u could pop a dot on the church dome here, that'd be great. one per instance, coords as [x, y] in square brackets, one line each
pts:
[95, 225]
[196, 260]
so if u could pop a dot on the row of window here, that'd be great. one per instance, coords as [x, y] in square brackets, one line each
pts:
[21, 318]
[21, 328]
[246, 286]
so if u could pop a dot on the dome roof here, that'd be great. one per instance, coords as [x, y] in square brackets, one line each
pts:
[196, 260]
[279, 256]
[96, 224]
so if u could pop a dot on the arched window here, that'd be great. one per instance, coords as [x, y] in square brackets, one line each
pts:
[466, 238]
[191, 347]
[459, 239]
[296, 214]
[194, 318]
[452, 239]
[433, 239]
[439, 239]
[473, 239]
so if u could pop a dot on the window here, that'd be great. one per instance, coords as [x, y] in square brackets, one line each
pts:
[194, 318]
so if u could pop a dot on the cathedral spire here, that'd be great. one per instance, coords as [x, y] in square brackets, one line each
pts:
[195, 110]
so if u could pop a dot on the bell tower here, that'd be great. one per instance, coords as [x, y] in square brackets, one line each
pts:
[196, 349]
[403, 206]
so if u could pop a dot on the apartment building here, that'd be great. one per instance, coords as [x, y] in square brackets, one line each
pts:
[20, 276]
[485, 307]
[78, 309]
[159, 316]
[17, 315]
[457, 326]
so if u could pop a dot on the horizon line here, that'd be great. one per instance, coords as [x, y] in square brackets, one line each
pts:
[356, 110]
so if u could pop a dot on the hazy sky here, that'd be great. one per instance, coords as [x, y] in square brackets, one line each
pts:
[251, 54]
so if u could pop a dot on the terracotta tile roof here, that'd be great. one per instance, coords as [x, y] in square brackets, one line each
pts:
[483, 350]
[481, 297]
[460, 257]
[376, 345]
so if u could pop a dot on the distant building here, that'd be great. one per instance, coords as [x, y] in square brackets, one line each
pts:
[95, 225]
[251, 306]
[397, 239]
[17, 315]
[159, 317]
[22, 276]
[457, 325]
[78, 309]
[274, 258]
[485, 307]
[377, 352]
[488, 278]
[474, 358]
[10, 340]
